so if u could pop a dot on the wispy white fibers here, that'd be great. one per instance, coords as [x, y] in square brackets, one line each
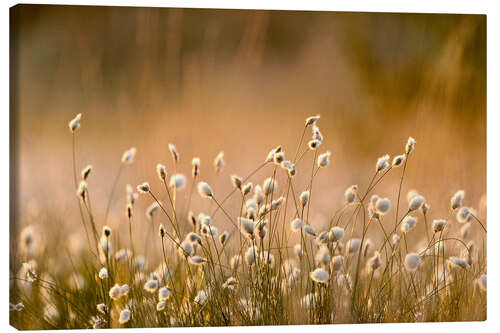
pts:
[74, 123]
[412, 261]
[204, 190]
[319, 275]
[456, 199]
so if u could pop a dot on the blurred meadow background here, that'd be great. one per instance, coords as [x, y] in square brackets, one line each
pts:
[241, 82]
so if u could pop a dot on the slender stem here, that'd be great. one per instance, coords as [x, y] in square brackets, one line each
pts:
[225, 213]
[73, 139]
[400, 186]
[115, 183]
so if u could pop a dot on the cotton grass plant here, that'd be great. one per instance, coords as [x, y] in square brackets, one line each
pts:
[269, 262]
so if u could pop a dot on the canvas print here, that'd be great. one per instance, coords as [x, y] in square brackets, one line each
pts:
[221, 167]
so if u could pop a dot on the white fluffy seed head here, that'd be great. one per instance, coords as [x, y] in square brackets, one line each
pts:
[173, 151]
[438, 225]
[297, 250]
[324, 159]
[106, 231]
[178, 181]
[312, 120]
[270, 155]
[336, 234]
[319, 275]
[395, 240]
[151, 285]
[128, 155]
[114, 292]
[261, 233]
[412, 261]
[296, 225]
[230, 283]
[124, 289]
[102, 308]
[416, 202]
[411, 194]
[131, 195]
[219, 162]
[382, 206]
[223, 237]
[124, 316]
[153, 208]
[374, 262]
[209, 231]
[161, 170]
[317, 134]
[353, 245]
[463, 214]
[161, 231]
[237, 181]
[398, 160]
[103, 273]
[161, 305]
[278, 158]
[456, 262]
[186, 248]
[367, 246]
[247, 227]
[309, 230]
[456, 199]
[204, 190]
[481, 281]
[197, 260]
[258, 194]
[425, 208]
[195, 162]
[193, 238]
[270, 185]
[251, 204]
[410, 145]
[304, 198]
[247, 188]
[408, 223]
[250, 255]
[251, 213]
[382, 163]
[314, 144]
[143, 188]
[86, 172]
[275, 204]
[322, 257]
[74, 124]
[350, 194]
[289, 167]
[204, 219]
[81, 192]
[337, 263]
[264, 209]
[201, 297]
[235, 262]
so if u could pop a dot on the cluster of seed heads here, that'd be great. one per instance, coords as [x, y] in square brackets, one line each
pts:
[326, 257]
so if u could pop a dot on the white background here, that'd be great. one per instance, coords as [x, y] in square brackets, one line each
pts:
[491, 8]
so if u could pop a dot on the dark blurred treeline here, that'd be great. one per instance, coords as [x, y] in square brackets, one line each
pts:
[118, 50]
